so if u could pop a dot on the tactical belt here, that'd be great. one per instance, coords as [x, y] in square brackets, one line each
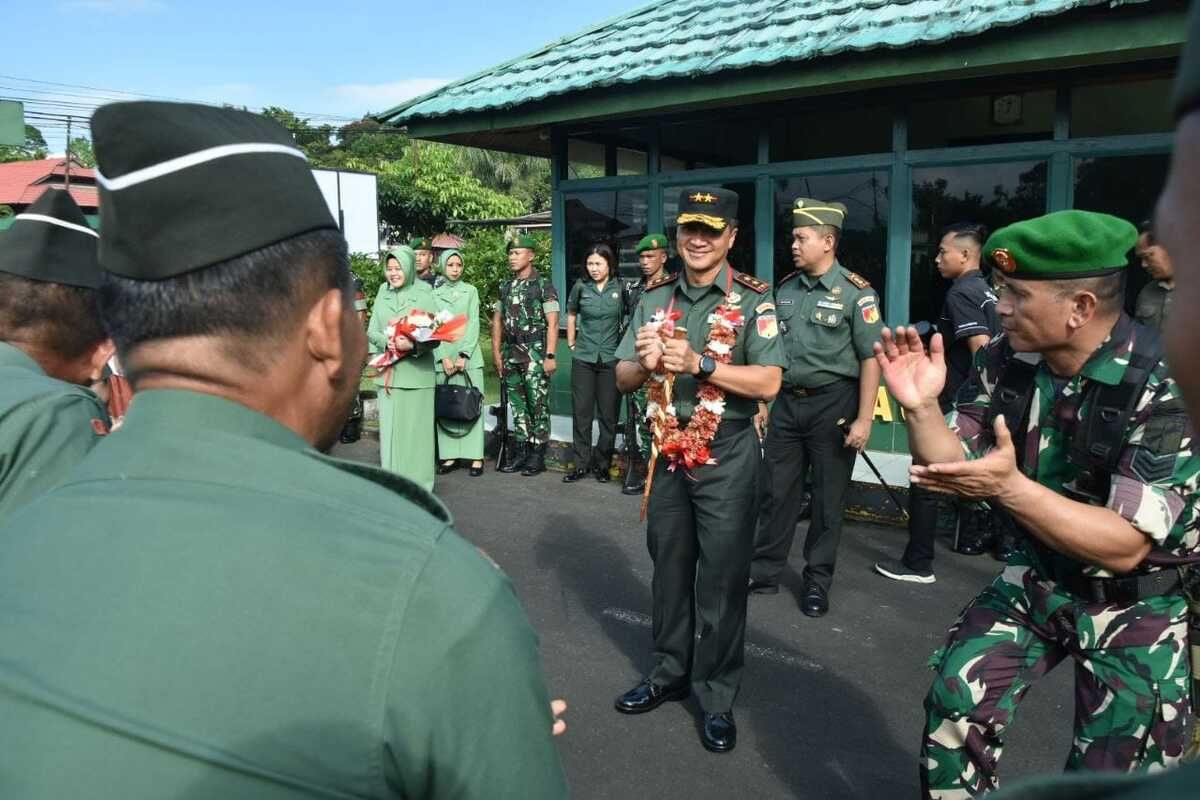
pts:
[525, 338]
[802, 391]
[1128, 589]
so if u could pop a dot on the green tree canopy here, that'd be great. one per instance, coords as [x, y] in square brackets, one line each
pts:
[34, 147]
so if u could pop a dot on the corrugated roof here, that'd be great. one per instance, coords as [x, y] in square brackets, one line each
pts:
[23, 182]
[692, 38]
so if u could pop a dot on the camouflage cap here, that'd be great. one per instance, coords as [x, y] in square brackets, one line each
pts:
[421, 243]
[1062, 245]
[1187, 85]
[523, 241]
[711, 206]
[653, 241]
[807, 211]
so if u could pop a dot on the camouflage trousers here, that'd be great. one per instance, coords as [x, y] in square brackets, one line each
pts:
[529, 397]
[645, 435]
[1131, 681]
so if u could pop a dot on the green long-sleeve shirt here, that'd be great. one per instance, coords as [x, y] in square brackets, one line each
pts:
[46, 427]
[414, 371]
[208, 607]
[460, 297]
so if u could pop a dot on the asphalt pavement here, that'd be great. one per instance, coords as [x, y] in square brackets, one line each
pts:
[829, 708]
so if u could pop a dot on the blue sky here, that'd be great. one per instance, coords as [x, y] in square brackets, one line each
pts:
[341, 59]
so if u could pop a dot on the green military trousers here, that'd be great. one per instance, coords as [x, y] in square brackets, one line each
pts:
[529, 398]
[701, 535]
[803, 432]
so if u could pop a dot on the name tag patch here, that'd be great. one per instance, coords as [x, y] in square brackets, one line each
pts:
[830, 305]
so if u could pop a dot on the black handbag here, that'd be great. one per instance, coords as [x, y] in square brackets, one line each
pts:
[453, 403]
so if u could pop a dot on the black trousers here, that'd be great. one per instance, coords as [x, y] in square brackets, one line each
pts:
[594, 389]
[923, 512]
[803, 432]
[700, 534]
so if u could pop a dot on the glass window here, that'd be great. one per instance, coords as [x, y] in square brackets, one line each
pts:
[709, 142]
[993, 195]
[584, 159]
[1126, 187]
[863, 247]
[840, 132]
[983, 119]
[1115, 109]
[742, 254]
[630, 162]
[616, 218]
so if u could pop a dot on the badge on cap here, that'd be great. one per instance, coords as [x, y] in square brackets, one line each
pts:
[1004, 260]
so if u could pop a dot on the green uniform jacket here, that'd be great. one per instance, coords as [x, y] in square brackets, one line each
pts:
[414, 371]
[1153, 305]
[757, 339]
[598, 320]
[828, 326]
[460, 297]
[222, 611]
[46, 428]
[523, 306]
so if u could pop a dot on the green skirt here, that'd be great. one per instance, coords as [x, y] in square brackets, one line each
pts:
[406, 433]
[455, 444]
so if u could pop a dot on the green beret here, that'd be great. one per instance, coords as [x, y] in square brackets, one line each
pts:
[1187, 85]
[421, 243]
[52, 242]
[186, 186]
[524, 240]
[806, 211]
[1062, 245]
[655, 241]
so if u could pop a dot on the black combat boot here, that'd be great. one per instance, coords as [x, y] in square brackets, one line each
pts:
[514, 457]
[635, 478]
[351, 431]
[535, 462]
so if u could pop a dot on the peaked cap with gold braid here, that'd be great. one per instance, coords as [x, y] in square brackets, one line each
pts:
[711, 206]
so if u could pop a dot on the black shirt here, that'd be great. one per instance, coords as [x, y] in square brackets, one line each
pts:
[969, 310]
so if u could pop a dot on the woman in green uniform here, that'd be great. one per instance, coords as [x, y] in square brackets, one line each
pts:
[405, 392]
[458, 363]
[594, 311]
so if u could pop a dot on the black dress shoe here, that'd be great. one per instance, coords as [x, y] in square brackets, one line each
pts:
[718, 734]
[447, 467]
[763, 587]
[475, 472]
[647, 696]
[601, 474]
[636, 486]
[574, 475]
[815, 602]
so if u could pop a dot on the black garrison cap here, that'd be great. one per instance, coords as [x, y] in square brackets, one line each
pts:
[52, 242]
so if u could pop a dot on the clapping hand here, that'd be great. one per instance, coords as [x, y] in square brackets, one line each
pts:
[913, 377]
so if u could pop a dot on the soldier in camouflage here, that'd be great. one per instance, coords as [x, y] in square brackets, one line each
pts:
[652, 259]
[524, 338]
[1096, 576]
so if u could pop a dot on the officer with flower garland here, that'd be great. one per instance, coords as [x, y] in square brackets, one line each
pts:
[702, 493]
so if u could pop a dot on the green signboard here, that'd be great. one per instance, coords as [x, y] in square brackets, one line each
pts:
[12, 123]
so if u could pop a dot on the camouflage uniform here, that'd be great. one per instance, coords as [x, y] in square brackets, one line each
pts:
[523, 307]
[1131, 666]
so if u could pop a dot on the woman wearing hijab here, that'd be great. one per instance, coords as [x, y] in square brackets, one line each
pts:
[405, 392]
[457, 363]
[594, 311]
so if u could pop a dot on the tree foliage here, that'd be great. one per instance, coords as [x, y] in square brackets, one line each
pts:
[33, 149]
[81, 148]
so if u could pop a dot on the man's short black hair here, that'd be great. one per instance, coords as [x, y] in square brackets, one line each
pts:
[255, 299]
[1147, 229]
[1109, 290]
[61, 319]
[967, 230]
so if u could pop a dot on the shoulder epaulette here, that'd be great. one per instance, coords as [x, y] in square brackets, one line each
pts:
[786, 278]
[858, 280]
[749, 280]
[661, 280]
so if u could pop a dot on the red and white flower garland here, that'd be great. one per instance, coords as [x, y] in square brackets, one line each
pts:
[690, 445]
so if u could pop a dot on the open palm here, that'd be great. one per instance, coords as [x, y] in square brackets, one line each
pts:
[913, 377]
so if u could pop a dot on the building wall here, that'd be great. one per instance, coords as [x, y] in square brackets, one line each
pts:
[993, 151]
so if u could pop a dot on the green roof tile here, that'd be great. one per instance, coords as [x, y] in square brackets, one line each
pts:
[693, 38]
